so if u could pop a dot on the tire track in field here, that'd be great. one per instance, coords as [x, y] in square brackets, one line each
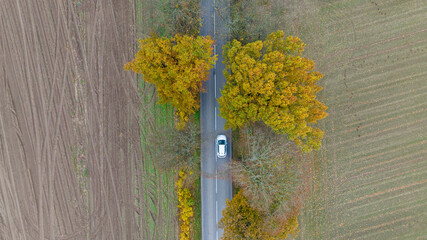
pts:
[41, 94]
[52, 145]
[372, 180]
[379, 161]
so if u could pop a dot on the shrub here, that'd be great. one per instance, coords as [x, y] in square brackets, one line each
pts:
[185, 206]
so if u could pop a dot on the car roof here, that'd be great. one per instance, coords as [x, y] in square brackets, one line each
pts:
[221, 137]
[221, 150]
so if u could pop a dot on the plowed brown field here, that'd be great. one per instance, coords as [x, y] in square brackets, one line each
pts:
[70, 146]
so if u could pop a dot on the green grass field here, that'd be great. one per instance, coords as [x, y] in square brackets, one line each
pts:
[157, 196]
[158, 199]
[371, 173]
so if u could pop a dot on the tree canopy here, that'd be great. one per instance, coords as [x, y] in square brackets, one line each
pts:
[266, 173]
[177, 66]
[241, 221]
[172, 148]
[270, 81]
[272, 173]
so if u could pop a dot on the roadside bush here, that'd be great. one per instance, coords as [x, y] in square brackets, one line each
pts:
[172, 148]
[273, 174]
[185, 206]
[186, 17]
[241, 221]
[170, 17]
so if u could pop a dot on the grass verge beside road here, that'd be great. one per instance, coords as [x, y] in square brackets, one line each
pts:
[158, 197]
[197, 223]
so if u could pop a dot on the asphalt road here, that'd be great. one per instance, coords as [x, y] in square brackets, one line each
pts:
[215, 183]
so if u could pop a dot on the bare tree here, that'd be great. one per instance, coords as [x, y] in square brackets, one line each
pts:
[171, 148]
[272, 174]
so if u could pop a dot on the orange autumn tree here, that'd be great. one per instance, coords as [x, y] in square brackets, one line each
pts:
[177, 66]
[241, 221]
[270, 81]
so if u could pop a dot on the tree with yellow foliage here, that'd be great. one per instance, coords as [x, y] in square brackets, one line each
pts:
[177, 66]
[270, 81]
[241, 221]
[185, 206]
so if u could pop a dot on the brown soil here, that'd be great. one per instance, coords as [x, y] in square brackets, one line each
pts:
[69, 132]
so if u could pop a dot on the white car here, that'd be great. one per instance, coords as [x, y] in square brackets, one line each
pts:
[221, 146]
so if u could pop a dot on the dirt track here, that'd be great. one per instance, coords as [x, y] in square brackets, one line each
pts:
[69, 138]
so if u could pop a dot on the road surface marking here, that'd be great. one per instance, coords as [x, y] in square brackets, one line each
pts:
[214, 24]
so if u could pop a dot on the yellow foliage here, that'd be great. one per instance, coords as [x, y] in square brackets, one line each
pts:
[271, 82]
[241, 221]
[177, 66]
[185, 206]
